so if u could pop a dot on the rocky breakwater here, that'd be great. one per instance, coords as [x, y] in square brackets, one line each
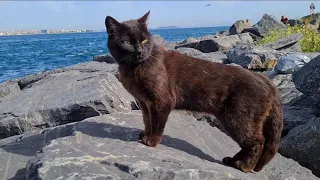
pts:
[78, 122]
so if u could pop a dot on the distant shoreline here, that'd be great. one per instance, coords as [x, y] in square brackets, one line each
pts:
[97, 31]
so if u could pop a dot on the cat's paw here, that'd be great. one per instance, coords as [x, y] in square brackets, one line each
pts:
[257, 168]
[151, 141]
[228, 161]
[242, 166]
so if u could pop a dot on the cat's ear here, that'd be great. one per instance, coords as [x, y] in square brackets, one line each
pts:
[143, 20]
[111, 25]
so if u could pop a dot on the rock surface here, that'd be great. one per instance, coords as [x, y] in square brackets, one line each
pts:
[287, 88]
[289, 43]
[160, 41]
[211, 43]
[214, 56]
[107, 58]
[62, 96]
[302, 144]
[267, 23]
[16, 151]
[307, 78]
[251, 57]
[106, 147]
[239, 26]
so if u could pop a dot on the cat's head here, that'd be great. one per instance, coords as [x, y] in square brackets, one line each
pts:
[129, 41]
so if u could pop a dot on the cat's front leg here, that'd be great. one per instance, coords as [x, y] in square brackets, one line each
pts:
[146, 120]
[158, 119]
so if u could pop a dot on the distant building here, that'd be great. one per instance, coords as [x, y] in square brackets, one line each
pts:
[89, 30]
[43, 31]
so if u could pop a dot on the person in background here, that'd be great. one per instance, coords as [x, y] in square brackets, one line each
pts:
[312, 8]
[284, 19]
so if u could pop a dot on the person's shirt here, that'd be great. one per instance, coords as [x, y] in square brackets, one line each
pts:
[312, 7]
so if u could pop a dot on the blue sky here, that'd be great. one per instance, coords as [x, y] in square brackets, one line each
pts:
[26, 15]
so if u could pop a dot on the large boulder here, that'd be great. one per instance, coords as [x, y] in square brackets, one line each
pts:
[307, 78]
[107, 58]
[251, 57]
[287, 88]
[212, 43]
[16, 151]
[288, 44]
[157, 39]
[302, 144]
[294, 22]
[9, 87]
[106, 147]
[269, 22]
[239, 26]
[63, 96]
[214, 56]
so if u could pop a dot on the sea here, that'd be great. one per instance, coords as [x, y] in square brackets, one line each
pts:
[28, 54]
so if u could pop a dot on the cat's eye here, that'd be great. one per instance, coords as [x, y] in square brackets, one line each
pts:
[125, 42]
[144, 41]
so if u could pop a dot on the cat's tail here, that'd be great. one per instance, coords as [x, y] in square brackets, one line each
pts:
[272, 133]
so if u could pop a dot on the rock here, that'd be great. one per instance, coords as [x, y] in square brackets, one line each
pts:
[106, 147]
[211, 43]
[267, 23]
[253, 32]
[8, 88]
[107, 58]
[161, 42]
[287, 88]
[16, 151]
[223, 32]
[239, 26]
[307, 78]
[214, 56]
[302, 144]
[251, 57]
[294, 116]
[289, 43]
[291, 63]
[294, 22]
[61, 97]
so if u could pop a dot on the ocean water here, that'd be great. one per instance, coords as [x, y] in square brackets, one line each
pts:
[23, 55]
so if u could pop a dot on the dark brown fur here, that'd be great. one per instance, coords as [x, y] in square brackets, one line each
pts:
[247, 104]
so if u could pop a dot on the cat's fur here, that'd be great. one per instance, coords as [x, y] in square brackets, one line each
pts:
[247, 104]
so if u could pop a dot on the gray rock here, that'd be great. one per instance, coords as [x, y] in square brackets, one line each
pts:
[239, 26]
[212, 43]
[291, 63]
[214, 56]
[16, 151]
[161, 42]
[254, 33]
[223, 32]
[289, 43]
[294, 116]
[53, 99]
[267, 23]
[287, 88]
[9, 87]
[107, 58]
[106, 147]
[307, 78]
[251, 57]
[294, 22]
[302, 144]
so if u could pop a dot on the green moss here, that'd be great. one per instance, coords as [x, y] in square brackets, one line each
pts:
[310, 41]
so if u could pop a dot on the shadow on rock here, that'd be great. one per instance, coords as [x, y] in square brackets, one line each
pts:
[105, 130]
